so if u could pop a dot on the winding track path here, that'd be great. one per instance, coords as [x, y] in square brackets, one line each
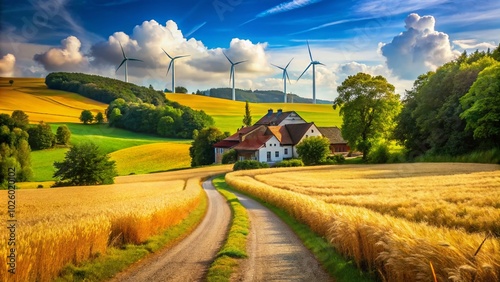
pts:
[275, 252]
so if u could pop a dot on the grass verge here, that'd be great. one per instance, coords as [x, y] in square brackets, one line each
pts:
[235, 247]
[118, 259]
[341, 269]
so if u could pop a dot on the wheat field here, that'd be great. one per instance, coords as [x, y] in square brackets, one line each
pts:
[151, 158]
[369, 213]
[70, 225]
[32, 96]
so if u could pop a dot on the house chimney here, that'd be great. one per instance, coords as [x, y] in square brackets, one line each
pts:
[280, 111]
[240, 137]
[270, 111]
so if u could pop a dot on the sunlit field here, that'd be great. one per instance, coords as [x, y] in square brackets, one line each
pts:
[32, 96]
[152, 158]
[70, 225]
[395, 219]
[228, 115]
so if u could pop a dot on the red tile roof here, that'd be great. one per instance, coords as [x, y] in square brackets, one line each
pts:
[253, 143]
[273, 118]
[333, 133]
[226, 144]
[243, 131]
[281, 134]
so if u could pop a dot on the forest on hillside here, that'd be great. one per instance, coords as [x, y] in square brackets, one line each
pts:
[133, 107]
[258, 96]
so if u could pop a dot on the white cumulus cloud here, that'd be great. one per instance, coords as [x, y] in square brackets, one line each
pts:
[7, 64]
[418, 49]
[67, 57]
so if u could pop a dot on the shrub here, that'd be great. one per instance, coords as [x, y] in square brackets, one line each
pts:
[314, 150]
[336, 159]
[229, 157]
[379, 155]
[39, 186]
[63, 135]
[86, 117]
[249, 164]
[290, 163]
[41, 137]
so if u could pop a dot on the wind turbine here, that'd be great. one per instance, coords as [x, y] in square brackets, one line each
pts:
[125, 59]
[172, 65]
[313, 63]
[231, 73]
[285, 76]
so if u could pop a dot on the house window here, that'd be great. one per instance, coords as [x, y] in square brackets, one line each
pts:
[312, 130]
[268, 156]
[286, 151]
[277, 154]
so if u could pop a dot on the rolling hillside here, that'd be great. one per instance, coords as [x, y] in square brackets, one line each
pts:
[32, 96]
[228, 115]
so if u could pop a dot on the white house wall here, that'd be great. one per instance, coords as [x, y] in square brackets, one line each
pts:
[273, 146]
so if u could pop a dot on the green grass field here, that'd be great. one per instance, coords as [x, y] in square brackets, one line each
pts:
[228, 115]
[115, 140]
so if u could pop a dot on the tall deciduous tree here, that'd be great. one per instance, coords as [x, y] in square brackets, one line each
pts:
[482, 106]
[368, 106]
[247, 119]
[99, 118]
[202, 150]
[21, 120]
[85, 164]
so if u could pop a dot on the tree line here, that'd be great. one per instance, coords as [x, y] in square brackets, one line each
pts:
[454, 110]
[103, 89]
[168, 121]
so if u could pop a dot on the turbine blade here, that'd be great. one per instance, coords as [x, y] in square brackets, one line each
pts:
[278, 67]
[130, 59]
[167, 54]
[170, 65]
[227, 58]
[288, 63]
[288, 77]
[123, 52]
[231, 72]
[309, 48]
[178, 57]
[237, 63]
[304, 71]
[124, 60]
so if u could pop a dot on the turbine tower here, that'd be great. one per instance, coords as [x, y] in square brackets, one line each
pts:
[231, 73]
[313, 63]
[125, 59]
[285, 76]
[172, 65]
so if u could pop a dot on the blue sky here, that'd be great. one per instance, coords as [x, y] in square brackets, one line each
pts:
[397, 39]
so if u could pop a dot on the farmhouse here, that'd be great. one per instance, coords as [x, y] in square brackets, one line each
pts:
[275, 136]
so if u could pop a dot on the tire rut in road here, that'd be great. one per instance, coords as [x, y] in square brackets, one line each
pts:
[275, 251]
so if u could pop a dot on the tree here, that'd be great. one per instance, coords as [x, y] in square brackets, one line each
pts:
[99, 118]
[181, 89]
[86, 117]
[202, 150]
[41, 136]
[85, 164]
[11, 82]
[20, 119]
[314, 150]
[166, 127]
[368, 106]
[247, 118]
[63, 134]
[482, 106]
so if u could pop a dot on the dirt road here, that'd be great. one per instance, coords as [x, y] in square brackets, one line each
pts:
[275, 251]
[190, 259]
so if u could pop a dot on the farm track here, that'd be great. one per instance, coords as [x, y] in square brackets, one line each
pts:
[189, 260]
[275, 251]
